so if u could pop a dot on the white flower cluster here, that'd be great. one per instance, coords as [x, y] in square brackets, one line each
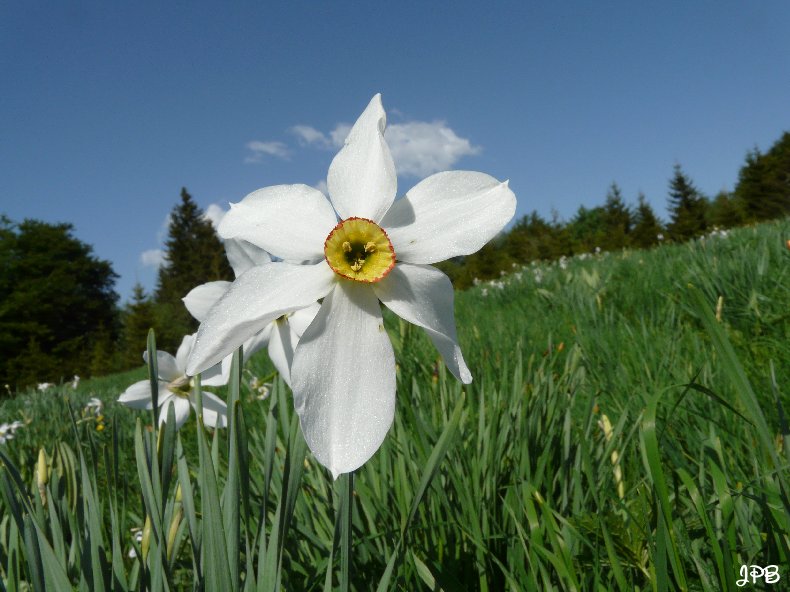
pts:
[8, 430]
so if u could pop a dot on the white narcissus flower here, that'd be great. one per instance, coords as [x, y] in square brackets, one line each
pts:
[343, 373]
[281, 334]
[175, 388]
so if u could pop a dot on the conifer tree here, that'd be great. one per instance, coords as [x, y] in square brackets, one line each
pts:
[138, 317]
[725, 211]
[763, 189]
[687, 208]
[617, 221]
[587, 229]
[194, 255]
[647, 226]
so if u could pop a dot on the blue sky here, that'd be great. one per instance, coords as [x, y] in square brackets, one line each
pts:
[106, 111]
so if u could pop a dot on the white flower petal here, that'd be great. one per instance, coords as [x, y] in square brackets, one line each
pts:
[215, 411]
[343, 379]
[166, 365]
[187, 343]
[242, 255]
[181, 409]
[289, 221]
[361, 179]
[282, 342]
[138, 395]
[251, 346]
[423, 295]
[255, 299]
[200, 300]
[448, 214]
[215, 376]
[300, 319]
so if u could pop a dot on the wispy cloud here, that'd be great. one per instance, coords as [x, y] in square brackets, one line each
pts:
[164, 229]
[309, 136]
[152, 258]
[260, 150]
[419, 148]
[214, 213]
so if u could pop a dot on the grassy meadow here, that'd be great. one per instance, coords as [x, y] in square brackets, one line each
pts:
[625, 430]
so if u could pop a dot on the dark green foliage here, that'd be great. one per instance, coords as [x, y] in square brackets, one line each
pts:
[532, 238]
[763, 188]
[647, 226]
[725, 211]
[137, 318]
[194, 255]
[617, 221]
[55, 295]
[587, 229]
[687, 208]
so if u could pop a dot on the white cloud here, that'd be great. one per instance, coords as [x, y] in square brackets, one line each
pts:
[322, 187]
[152, 258]
[259, 150]
[420, 148]
[339, 134]
[214, 213]
[310, 136]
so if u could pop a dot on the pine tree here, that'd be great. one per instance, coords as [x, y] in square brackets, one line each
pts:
[763, 189]
[587, 229]
[647, 226]
[617, 221]
[194, 255]
[687, 208]
[138, 317]
[725, 211]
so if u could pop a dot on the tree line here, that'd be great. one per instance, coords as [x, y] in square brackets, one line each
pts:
[761, 193]
[59, 312]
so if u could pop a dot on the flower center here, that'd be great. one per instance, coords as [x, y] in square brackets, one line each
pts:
[181, 386]
[360, 250]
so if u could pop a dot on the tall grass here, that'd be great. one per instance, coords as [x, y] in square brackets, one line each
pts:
[625, 431]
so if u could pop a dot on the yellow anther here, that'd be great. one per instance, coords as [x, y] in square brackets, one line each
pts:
[359, 249]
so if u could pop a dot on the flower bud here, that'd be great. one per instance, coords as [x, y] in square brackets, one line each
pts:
[42, 475]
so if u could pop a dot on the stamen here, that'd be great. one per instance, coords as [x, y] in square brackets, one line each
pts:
[359, 249]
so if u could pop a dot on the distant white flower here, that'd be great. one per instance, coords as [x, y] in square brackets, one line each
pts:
[281, 334]
[563, 262]
[8, 430]
[137, 535]
[75, 382]
[660, 236]
[175, 388]
[94, 406]
[343, 373]
[261, 388]
[42, 386]
[597, 250]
